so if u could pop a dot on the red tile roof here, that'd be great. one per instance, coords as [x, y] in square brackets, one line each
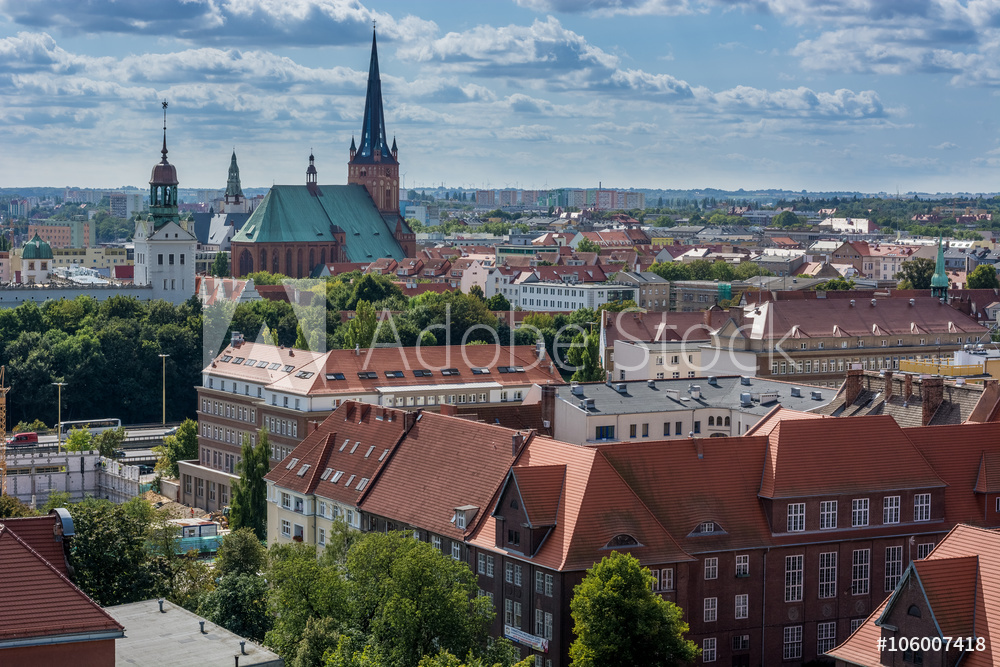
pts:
[950, 586]
[540, 488]
[40, 533]
[805, 458]
[777, 415]
[343, 454]
[38, 600]
[989, 473]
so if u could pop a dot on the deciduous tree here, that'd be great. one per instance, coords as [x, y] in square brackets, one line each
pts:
[916, 273]
[249, 506]
[983, 276]
[182, 446]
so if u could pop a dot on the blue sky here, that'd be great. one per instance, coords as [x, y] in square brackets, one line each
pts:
[869, 95]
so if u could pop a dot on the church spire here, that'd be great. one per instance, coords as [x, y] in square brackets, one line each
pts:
[939, 281]
[374, 147]
[234, 191]
[163, 186]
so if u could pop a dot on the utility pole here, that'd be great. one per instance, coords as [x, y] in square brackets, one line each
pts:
[164, 358]
[60, 385]
[3, 434]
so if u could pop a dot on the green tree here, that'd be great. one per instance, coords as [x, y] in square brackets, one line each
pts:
[586, 355]
[220, 267]
[110, 441]
[983, 276]
[786, 219]
[11, 507]
[746, 270]
[360, 330]
[447, 659]
[241, 553]
[249, 506]
[79, 440]
[319, 636]
[410, 600]
[917, 273]
[477, 292]
[701, 269]
[722, 271]
[239, 604]
[619, 620]
[672, 271]
[498, 302]
[586, 245]
[55, 499]
[835, 284]
[182, 446]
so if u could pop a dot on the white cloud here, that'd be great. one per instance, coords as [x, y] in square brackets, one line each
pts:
[945, 146]
[610, 7]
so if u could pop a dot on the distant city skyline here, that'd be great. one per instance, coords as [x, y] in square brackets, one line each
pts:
[536, 94]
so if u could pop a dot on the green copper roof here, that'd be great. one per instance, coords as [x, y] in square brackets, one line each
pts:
[290, 213]
[940, 278]
[36, 248]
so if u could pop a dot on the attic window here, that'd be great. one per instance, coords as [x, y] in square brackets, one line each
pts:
[274, 367]
[336, 476]
[291, 464]
[503, 369]
[239, 360]
[289, 368]
[250, 362]
[362, 484]
[305, 375]
[450, 371]
[350, 480]
[261, 364]
[368, 375]
[370, 450]
[382, 455]
[302, 471]
[356, 445]
[334, 376]
[421, 373]
[622, 540]
[226, 358]
[513, 504]
[346, 442]
[707, 527]
[480, 371]
[326, 474]
[914, 610]
[394, 374]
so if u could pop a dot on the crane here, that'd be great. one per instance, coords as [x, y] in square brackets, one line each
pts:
[3, 435]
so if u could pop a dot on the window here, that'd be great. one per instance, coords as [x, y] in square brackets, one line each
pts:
[828, 574]
[489, 566]
[711, 609]
[549, 585]
[890, 510]
[743, 565]
[321, 540]
[859, 512]
[459, 516]
[742, 605]
[793, 578]
[678, 428]
[893, 567]
[547, 633]
[200, 484]
[859, 571]
[539, 582]
[711, 568]
[924, 549]
[159, 259]
[645, 430]
[697, 427]
[539, 622]
[922, 507]
[605, 433]
[667, 579]
[436, 542]
[796, 517]
[456, 550]
[481, 563]
[855, 624]
[508, 612]
[708, 649]
[509, 573]
[826, 637]
[517, 614]
[631, 431]
[793, 642]
[286, 528]
[517, 575]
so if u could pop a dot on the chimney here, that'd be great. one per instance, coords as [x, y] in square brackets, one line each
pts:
[907, 386]
[706, 316]
[409, 419]
[315, 425]
[888, 385]
[852, 387]
[932, 390]
[243, 647]
[449, 409]
[549, 405]
[357, 350]
[515, 443]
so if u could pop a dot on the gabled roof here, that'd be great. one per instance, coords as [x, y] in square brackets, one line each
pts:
[811, 458]
[540, 488]
[770, 421]
[950, 587]
[42, 534]
[39, 601]
[989, 473]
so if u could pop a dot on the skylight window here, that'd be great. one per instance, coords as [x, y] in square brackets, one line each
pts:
[302, 471]
[250, 362]
[503, 369]
[305, 375]
[368, 375]
[289, 368]
[356, 445]
[394, 374]
[382, 455]
[334, 376]
[450, 371]
[291, 464]
[239, 360]
[370, 450]
[362, 484]
[350, 480]
[273, 367]
[422, 373]
[226, 358]
[346, 442]
[480, 371]
[337, 475]
[261, 364]
[326, 474]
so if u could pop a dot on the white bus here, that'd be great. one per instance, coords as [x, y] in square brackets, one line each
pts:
[95, 426]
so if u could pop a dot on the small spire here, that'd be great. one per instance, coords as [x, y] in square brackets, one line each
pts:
[353, 147]
[163, 151]
[394, 144]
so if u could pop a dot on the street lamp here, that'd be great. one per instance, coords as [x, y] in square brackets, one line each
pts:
[60, 385]
[164, 357]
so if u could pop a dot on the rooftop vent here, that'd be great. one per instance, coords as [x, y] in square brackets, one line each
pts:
[816, 396]
[745, 400]
[621, 388]
[796, 392]
[651, 384]
[873, 303]
[576, 389]
[695, 391]
[913, 302]
[744, 380]
[712, 380]
[852, 303]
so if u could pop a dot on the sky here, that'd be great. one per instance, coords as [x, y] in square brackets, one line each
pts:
[817, 95]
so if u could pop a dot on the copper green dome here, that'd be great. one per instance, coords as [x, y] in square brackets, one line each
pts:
[36, 248]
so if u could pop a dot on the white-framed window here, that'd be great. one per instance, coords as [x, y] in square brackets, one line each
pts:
[893, 567]
[828, 514]
[859, 512]
[481, 563]
[547, 632]
[508, 574]
[667, 579]
[489, 566]
[860, 571]
[539, 581]
[460, 520]
[828, 574]
[708, 653]
[924, 549]
[456, 550]
[436, 542]
[286, 528]
[796, 517]
[321, 538]
[792, 642]
[517, 575]
[549, 585]
[508, 611]
[517, 614]
[539, 622]
[711, 609]
[743, 565]
[922, 507]
[855, 624]
[826, 637]
[890, 510]
[742, 605]
[793, 578]
[711, 568]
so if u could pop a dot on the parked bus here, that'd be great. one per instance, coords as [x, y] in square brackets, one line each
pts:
[95, 426]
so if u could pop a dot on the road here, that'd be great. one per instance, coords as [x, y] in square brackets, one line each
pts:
[144, 433]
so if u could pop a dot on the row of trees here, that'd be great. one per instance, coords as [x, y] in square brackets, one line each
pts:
[703, 269]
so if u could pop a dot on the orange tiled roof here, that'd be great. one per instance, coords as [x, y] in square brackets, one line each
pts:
[950, 586]
[38, 532]
[540, 488]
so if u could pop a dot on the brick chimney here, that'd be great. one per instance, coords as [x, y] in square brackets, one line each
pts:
[853, 385]
[515, 443]
[907, 386]
[549, 406]
[449, 409]
[888, 385]
[932, 390]
[409, 419]
[737, 314]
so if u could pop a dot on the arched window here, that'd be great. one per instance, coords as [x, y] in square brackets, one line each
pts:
[727, 421]
[914, 610]
[263, 260]
[246, 262]
[312, 260]
[322, 256]
[622, 540]
[274, 262]
[298, 264]
[288, 262]
[711, 421]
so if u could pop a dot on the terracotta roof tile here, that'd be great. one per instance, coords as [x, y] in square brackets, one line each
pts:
[38, 600]
[951, 589]
[809, 458]
[39, 533]
[861, 648]
[989, 473]
[540, 488]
